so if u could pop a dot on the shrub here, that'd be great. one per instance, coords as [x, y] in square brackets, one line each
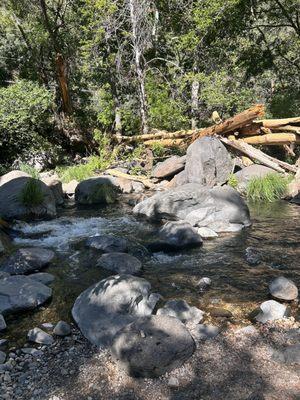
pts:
[32, 194]
[233, 181]
[25, 112]
[28, 169]
[269, 188]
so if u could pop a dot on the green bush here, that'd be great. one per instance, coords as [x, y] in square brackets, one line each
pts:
[233, 181]
[25, 112]
[29, 170]
[269, 188]
[32, 194]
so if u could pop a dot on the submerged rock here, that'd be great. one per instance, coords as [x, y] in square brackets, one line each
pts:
[271, 310]
[108, 244]
[99, 190]
[37, 335]
[27, 260]
[12, 206]
[182, 310]
[208, 162]
[122, 263]
[19, 293]
[204, 283]
[252, 256]
[283, 288]
[2, 357]
[152, 346]
[219, 208]
[109, 305]
[169, 167]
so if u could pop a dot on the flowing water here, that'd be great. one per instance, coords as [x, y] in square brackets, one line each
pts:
[236, 286]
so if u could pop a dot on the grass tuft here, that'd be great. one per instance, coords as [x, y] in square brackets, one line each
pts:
[269, 188]
[233, 181]
[32, 194]
[29, 170]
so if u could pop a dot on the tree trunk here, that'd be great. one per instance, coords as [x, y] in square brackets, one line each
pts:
[195, 103]
[273, 139]
[63, 83]
[136, 36]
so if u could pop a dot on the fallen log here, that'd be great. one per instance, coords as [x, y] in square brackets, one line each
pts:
[273, 139]
[276, 123]
[287, 128]
[114, 172]
[250, 130]
[232, 124]
[157, 135]
[167, 142]
[258, 155]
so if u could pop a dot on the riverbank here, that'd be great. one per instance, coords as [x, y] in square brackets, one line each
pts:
[238, 364]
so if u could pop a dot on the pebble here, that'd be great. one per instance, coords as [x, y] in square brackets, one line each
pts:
[204, 283]
[173, 382]
[2, 323]
[271, 310]
[219, 312]
[62, 328]
[252, 256]
[37, 335]
[203, 332]
[32, 351]
[2, 357]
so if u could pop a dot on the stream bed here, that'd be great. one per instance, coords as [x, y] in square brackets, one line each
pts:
[236, 286]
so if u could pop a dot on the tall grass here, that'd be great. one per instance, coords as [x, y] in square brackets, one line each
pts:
[32, 194]
[29, 170]
[269, 188]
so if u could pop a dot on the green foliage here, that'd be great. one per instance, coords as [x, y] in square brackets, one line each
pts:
[233, 181]
[29, 170]
[158, 149]
[25, 112]
[82, 171]
[32, 194]
[269, 188]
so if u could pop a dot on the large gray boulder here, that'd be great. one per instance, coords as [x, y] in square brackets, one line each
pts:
[168, 168]
[121, 263]
[245, 175]
[99, 190]
[13, 175]
[176, 235]
[218, 208]
[56, 187]
[208, 162]
[27, 260]
[20, 293]
[283, 289]
[109, 305]
[152, 346]
[13, 207]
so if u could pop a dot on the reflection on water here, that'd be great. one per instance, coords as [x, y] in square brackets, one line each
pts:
[236, 285]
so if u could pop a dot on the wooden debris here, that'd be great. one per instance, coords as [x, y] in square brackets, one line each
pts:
[258, 155]
[273, 139]
[114, 172]
[276, 123]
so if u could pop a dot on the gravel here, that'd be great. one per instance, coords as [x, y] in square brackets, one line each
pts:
[235, 365]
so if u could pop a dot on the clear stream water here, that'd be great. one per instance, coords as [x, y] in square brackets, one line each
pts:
[236, 286]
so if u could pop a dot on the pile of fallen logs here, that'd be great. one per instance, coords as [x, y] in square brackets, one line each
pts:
[240, 133]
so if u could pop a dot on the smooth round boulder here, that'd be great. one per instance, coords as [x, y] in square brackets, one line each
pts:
[13, 207]
[27, 260]
[182, 310]
[98, 190]
[151, 346]
[121, 263]
[271, 310]
[20, 293]
[13, 175]
[108, 244]
[283, 289]
[176, 235]
[62, 328]
[168, 168]
[109, 305]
